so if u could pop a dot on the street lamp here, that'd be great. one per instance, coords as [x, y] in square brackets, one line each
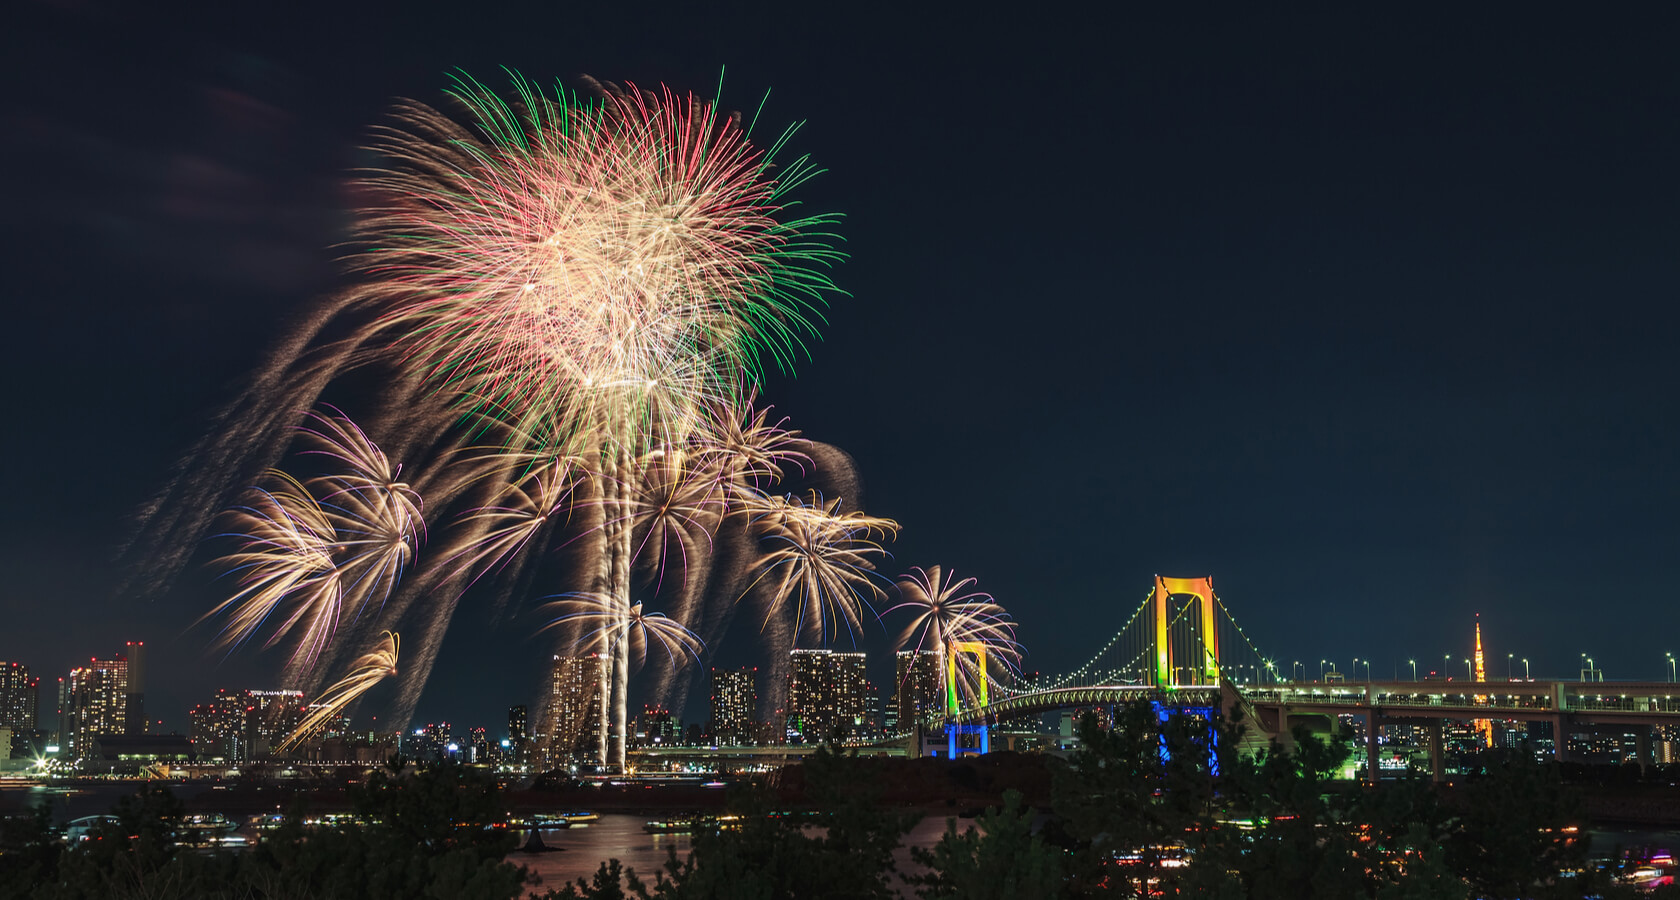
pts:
[1526, 676]
[1321, 664]
[1367, 670]
[1508, 658]
[1468, 675]
[1671, 674]
[1414, 668]
[1292, 669]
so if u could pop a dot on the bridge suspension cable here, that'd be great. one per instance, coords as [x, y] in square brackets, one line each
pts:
[1205, 645]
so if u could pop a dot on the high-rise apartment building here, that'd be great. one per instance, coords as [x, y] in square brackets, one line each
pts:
[657, 727]
[61, 736]
[20, 704]
[572, 713]
[734, 706]
[218, 727]
[829, 692]
[918, 694]
[97, 703]
[240, 726]
[271, 717]
[518, 744]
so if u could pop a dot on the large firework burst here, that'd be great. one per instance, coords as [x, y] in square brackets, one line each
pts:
[572, 299]
[821, 561]
[591, 272]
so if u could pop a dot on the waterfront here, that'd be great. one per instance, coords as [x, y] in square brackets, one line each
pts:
[577, 852]
[620, 836]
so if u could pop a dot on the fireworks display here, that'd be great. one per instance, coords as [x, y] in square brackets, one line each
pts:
[367, 671]
[820, 562]
[569, 300]
[947, 612]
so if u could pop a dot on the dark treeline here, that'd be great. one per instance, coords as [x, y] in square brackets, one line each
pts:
[1148, 808]
[1155, 808]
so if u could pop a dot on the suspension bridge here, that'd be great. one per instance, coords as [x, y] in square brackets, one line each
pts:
[1180, 645]
[1182, 648]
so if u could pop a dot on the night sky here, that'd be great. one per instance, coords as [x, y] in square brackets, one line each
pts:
[1369, 317]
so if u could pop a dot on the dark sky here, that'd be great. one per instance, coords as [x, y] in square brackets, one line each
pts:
[1368, 316]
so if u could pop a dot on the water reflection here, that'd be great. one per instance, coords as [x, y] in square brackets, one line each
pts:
[619, 836]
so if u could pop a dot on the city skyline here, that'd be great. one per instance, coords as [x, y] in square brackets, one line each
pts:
[1361, 315]
[890, 706]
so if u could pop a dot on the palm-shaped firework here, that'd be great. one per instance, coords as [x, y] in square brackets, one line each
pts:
[604, 626]
[949, 615]
[285, 558]
[324, 549]
[820, 562]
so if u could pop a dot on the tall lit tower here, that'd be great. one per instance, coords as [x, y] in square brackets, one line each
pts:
[1484, 726]
[1481, 670]
[97, 703]
[134, 699]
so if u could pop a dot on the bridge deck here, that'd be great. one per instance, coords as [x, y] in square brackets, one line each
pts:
[1606, 702]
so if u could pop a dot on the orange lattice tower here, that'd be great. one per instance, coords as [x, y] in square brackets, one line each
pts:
[1484, 726]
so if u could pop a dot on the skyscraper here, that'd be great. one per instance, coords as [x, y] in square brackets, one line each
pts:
[218, 727]
[20, 697]
[734, 706]
[239, 726]
[519, 734]
[572, 713]
[19, 709]
[134, 700]
[918, 693]
[657, 726]
[97, 704]
[270, 717]
[829, 692]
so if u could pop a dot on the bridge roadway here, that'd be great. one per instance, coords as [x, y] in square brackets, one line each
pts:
[1568, 706]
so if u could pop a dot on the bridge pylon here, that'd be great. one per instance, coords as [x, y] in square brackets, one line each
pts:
[1199, 640]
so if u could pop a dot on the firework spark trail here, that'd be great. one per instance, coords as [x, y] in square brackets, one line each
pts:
[247, 437]
[367, 671]
[605, 624]
[750, 453]
[528, 503]
[286, 557]
[379, 518]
